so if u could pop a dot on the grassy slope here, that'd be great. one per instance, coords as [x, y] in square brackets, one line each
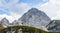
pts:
[29, 29]
[1, 28]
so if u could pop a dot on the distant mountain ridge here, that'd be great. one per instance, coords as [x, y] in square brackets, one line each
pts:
[4, 22]
[35, 18]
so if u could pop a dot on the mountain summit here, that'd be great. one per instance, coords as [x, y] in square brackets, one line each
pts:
[35, 18]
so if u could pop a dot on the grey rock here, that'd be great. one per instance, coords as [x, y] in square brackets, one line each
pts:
[35, 18]
[54, 26]
[4, 22]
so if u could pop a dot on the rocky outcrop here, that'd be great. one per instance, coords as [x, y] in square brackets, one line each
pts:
[35, 18]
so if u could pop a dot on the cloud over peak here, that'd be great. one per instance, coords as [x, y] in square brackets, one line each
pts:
[51, 8]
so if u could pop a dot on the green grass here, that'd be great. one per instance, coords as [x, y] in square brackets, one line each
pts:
[1, 28]
[30, 29]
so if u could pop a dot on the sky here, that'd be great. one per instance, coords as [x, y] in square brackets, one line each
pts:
[14, 9]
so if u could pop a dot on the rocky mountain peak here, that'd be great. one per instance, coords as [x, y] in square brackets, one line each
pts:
[4, 19]
[33, 10]
[5, 22]
[35, 18]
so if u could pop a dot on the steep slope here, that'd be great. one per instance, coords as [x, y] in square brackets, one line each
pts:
[54, 26]
[35, 18]
[4, 22]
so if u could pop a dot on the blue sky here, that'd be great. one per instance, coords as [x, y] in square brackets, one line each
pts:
[14, 9]
[5, 4]
[2, 12]
[33, 2]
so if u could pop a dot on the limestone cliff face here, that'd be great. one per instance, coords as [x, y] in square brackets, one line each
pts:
[54, 26]
[35, 18]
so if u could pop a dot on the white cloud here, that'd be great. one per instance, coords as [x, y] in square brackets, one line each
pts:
[15, 15]
[16, 9]
[14, 6]
[4, 15]
[51, 8]
[16, 12]
[20, 8]
[11, 17]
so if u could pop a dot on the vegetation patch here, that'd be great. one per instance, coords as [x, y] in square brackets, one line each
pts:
[26, 28]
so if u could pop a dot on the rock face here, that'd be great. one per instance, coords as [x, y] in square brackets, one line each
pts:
[35, 18]
[54, 26]
[15, 23]
[4, 22]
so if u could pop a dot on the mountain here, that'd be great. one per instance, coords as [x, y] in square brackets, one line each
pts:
[15, 23]
[4, 22]
[35, 18]
[54, 26]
